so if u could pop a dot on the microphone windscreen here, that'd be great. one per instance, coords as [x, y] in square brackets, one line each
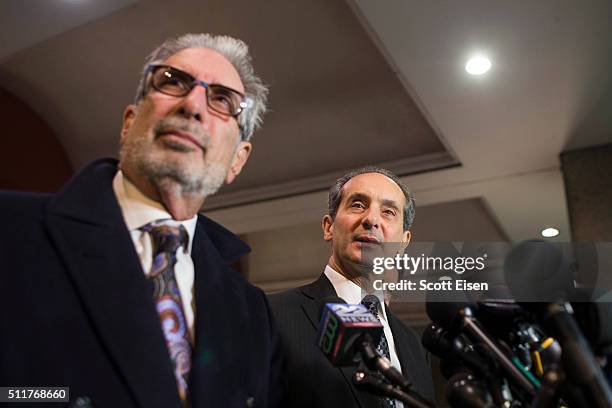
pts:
[595, 320]
[450, 368]
[443, 313]
[342, 329]
[329, 299]
[538, 271]
[435, 341]
[463, 390]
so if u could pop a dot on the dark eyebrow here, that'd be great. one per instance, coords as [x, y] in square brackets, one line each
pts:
[391, 204]
[366, 198]
[358, 197]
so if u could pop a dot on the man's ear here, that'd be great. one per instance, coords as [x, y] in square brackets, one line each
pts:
[327, 224]
[243, 151]
[128, 118]
[406, 237]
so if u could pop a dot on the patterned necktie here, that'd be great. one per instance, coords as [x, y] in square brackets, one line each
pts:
[372, 303]
[166, 240]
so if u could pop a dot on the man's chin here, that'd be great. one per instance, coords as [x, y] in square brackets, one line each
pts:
[357, 266]
[167, 164]
[363, 253]
[167, 170]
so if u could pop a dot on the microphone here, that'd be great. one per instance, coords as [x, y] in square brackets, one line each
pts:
[595, 320]
[348, 334]
[439, 342]
[459, 317]
[538, 271]
[342, 330]
[542, 259]
[376, 385]
[444, 313]
[458, 357]
[464, 391]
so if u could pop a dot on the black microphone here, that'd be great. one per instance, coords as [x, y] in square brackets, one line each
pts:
[348, 334]
[464, 391]
[458, 356]
[376, 385]
[538, 271]
[453, 349]
[594, 319]
[344, 328]
[459, 317]
[543, 262]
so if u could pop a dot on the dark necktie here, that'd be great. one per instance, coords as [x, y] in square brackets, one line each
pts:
[372, 303]
[166, 240]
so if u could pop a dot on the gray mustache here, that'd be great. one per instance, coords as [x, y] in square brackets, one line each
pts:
[179, 124]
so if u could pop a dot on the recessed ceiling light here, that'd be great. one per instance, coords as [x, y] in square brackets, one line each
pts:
[550, 232]
[478, 65]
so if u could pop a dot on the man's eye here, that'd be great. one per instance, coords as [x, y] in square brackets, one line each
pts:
[357, 204]
[389, 212]
[172, 81]
[221, 100]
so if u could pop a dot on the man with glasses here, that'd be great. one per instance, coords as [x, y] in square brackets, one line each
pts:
[116, 287]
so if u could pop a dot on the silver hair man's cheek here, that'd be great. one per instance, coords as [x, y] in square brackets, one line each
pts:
[214, 176]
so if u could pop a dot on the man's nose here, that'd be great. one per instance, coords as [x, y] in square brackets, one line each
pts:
[194, 104]
[371, 219]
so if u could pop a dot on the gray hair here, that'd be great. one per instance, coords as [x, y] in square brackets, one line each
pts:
[335, 192]
[237, 53]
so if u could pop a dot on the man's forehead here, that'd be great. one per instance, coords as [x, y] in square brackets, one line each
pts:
[375, 186]
[207, 65]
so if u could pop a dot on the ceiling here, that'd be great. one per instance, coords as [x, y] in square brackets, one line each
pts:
[352, 83]
[26, 23]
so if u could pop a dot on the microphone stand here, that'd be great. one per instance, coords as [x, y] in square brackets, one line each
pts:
[580, 366]
[399, 387]
[378, 386]
[548, 395]
[469, 326]
[376, 362]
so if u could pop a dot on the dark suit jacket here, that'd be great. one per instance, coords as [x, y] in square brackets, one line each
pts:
[310, 380]
[77, 310]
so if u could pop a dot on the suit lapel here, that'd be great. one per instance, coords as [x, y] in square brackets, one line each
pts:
[221, 347]
[402, 341]
[315, 293]
[86, 225]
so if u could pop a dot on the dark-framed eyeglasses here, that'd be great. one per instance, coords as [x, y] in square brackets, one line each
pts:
[174, 82]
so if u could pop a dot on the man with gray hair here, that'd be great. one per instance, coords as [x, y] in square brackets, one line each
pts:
[116, 286]
[367, 208]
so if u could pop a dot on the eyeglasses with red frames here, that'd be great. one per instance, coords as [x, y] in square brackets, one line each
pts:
[174, 82]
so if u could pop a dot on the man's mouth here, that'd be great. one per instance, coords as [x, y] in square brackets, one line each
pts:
[184, 136]
[367, 239]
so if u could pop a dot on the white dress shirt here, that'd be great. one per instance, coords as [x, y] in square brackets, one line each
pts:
[353, 294]
[138, 210]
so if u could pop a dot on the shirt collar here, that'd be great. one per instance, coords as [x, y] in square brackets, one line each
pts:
[138, 210]
[350, 291]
